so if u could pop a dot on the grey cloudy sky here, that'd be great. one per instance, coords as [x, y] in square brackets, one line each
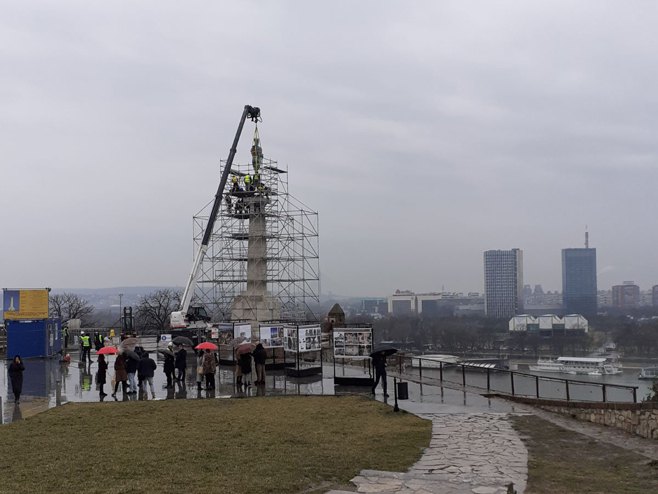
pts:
[423, 132]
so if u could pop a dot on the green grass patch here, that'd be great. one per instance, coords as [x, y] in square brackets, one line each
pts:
[262, 445]
[563, 461]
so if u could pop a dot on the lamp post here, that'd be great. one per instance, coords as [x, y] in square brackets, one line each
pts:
[121, 312]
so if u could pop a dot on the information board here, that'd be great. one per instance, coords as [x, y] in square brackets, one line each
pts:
[25, 304]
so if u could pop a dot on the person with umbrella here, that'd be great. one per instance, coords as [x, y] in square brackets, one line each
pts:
[120, 374]
[168, 367]
[181, 364]
[379, 363]
[16, 369]
[146, 370]
[209, 367]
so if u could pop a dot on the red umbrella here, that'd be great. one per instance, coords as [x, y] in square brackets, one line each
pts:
[206, 345]
[107, 350]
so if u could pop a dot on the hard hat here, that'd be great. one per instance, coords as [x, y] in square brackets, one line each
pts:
[82, 332]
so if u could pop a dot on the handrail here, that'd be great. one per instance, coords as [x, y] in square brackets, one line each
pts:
[537, 378]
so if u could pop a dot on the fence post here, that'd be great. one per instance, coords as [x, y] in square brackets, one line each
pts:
[488, 379]
[537, 385]
[512, 381]
[566, 381]
[634, 395]
[463, 375]
[441, 372]
[420, 369]
[604, 393]
[400, 365]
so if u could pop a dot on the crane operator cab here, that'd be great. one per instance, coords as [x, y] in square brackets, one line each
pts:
[196, 316]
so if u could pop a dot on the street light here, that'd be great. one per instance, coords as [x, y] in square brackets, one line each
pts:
[120, 312]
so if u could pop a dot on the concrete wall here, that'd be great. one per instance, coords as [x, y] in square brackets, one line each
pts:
[636, 418]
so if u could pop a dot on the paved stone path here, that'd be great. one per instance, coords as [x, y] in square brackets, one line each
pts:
[470, 453]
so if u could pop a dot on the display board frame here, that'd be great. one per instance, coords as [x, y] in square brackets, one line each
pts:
[353, 344]
[312, 343]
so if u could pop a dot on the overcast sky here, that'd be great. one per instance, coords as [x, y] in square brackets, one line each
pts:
[424, 133]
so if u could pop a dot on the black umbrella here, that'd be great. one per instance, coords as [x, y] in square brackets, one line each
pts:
[384, 351]
[182, 340]
[131, 354]
[167, 352]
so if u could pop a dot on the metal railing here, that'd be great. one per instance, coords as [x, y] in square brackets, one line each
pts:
[513, 383]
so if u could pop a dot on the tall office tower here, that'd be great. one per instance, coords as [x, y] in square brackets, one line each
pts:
[579, 281]
[503, 283]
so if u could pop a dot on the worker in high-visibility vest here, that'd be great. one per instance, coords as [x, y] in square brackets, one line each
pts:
[247, 182]
[85, 344]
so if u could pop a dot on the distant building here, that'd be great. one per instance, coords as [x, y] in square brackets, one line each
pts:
[626, 296]
[654, 296]
[374, 306]
[435, 303]
[402, 302]
[503, 283]
[549, 324]
[579, 281]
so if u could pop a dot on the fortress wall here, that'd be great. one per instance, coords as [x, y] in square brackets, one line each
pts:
[636, 418]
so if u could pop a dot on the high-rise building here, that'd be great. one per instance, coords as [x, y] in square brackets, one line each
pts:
[579, 281]
[626, 295]
[503, 283]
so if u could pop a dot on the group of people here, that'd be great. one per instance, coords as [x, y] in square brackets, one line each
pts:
[132, 374]
[243, 366]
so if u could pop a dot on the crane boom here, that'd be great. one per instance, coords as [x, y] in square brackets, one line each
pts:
[253, 113]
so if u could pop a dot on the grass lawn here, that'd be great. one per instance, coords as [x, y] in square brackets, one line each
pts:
[255, 445]
[563, 461]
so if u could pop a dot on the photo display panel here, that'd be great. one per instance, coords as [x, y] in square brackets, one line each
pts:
[353, 343]
[310, 338]
[271, 336]
[225, 334]
[242, 332]
[290, 338]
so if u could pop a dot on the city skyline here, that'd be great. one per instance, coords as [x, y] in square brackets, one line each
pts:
[423, 134]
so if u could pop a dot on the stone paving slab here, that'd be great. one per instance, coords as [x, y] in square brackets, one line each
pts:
[469, 453]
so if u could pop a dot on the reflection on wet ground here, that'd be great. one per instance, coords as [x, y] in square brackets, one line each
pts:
[48, 383]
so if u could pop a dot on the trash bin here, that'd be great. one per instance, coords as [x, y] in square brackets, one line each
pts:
[403, 391]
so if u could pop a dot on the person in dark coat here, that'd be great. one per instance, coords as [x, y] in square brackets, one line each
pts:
[16, 369]
[101, 376]
[245, 368]
[131, 369]
[168, 369]
[181, 364]
[260, 356]
[146, 371]
[120, 374]
[379, 363]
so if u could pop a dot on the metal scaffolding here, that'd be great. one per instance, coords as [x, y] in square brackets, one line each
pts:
[290, 265]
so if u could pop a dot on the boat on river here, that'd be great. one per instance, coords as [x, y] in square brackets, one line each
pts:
[648, 373]
[589, 366]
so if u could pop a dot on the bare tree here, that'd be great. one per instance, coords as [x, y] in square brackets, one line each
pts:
[152, 312]
[71, 306]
